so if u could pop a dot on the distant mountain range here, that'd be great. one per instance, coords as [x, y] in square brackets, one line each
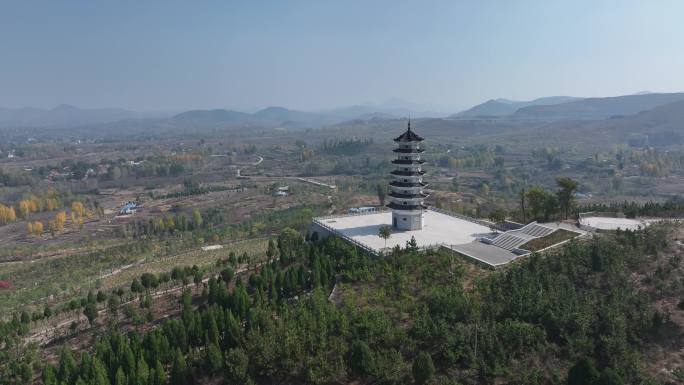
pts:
[64, 115]
[658, 127]
[599, 108]
[569, 108]
[280, 117]
[504, 107]
[553, 108]
[270, 117]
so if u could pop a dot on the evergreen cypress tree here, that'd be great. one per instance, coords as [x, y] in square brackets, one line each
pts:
[99, 373]
[423, 368]
[212, 329]
[213, 360]
[120, 378]
[67, 366]
[90, 311]
[271, 252]
[610, 377]
[159, 374]
[584, 372]
[236, 366]
[362, 360]
[49, 375]
[179, 369]
[142, 376]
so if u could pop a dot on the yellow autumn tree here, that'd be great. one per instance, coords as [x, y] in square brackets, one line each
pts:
[61, 218]
[28, 206]
[78, 208]
[78, 212]
[51, 204]
[7, 214]
[74, 220]
[169, 223]
[24, 208]
[57, 224]
[52, 227]
[34, 228]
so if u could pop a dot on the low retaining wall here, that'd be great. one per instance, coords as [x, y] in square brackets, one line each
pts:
[325, 231]
[464, 217]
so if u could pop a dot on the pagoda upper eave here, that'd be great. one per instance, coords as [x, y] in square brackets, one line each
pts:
[396, 206]
[407, 184]
[409, 150]
[420, 195]
[407, 173]
[408, 161]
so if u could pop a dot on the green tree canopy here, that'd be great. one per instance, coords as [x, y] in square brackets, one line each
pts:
[423, 369]
[584, 372]
[361, 358]
[566, 193]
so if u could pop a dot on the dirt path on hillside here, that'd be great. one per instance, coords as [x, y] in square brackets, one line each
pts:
[60, 330]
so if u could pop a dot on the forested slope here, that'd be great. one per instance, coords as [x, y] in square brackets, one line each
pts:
[578, 316]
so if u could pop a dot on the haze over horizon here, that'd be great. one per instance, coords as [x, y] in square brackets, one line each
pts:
[173, 56]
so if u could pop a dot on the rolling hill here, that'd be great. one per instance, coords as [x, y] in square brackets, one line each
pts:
[275, 117]
[598, 108]
[569, 108]
[504, 107]
[63, 115]
[211, 117]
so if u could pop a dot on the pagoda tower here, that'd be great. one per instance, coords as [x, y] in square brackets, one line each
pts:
[406, 188]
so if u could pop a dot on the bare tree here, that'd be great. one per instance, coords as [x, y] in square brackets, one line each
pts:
[382, 193]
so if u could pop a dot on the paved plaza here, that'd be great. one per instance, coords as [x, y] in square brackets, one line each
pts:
[438, 228]
[607, 224]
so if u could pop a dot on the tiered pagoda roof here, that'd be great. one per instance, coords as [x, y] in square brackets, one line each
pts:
[409, 150]
[397, 206]
[408, 173]
[409, 136]
[407, 195]
[407, 184]
[408, 161]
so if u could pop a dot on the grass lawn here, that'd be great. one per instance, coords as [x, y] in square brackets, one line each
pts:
[557, 236]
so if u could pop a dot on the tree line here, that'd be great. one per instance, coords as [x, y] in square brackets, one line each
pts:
[672, 208]
[544, 205]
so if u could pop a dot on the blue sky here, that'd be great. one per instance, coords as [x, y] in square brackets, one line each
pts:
[176, 55]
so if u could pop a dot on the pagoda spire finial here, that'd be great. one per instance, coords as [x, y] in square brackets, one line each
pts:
[409, 123]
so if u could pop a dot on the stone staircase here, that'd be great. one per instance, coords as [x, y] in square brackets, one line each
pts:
[509, 241]
[513, 239]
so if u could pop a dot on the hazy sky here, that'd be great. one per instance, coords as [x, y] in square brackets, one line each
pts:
[175, 55]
